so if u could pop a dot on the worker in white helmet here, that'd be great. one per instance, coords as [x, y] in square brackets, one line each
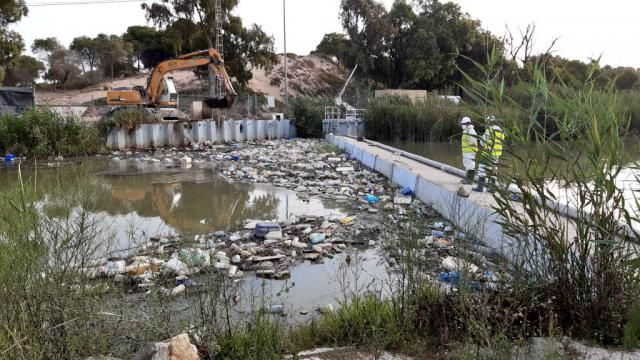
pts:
[469, 149]
[492, 142]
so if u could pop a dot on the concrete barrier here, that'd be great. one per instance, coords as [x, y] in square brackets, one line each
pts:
[212, 131]
[239, 130]
[369, 160]
[404, 177]
[251, 130]
[174, 133]
[384, 167]
[462, 212]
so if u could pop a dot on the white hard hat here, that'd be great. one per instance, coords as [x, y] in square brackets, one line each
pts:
[491, 118]
[465, 120]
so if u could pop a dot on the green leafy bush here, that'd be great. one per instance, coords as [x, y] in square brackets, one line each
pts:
[308, 114]
[41, 133]
[125, 118]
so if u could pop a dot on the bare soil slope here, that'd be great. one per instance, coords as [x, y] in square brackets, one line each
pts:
[308, 76]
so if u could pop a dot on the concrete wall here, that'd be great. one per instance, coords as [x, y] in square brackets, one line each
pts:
[174, 133]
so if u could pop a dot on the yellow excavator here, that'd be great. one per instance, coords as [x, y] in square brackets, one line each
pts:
[160, 95]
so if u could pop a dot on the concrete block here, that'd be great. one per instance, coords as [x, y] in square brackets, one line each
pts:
[240, 129]
[272, 129]
[368, 160]
[228, 128]
[158, 135]
[404, 176]
[384, 167]
[212, 132]
[199, 132]
[250, 133]
[358, 153]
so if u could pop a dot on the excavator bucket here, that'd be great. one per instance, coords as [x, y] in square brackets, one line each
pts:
[219, 103]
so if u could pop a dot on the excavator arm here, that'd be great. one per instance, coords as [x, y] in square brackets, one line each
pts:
[209, 58]
[221, 92]
[154, 84]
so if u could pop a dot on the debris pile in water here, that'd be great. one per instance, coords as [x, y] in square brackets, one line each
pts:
[268, 249]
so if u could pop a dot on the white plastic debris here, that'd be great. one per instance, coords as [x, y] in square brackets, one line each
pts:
[178, 290]
[177, 266]
[115, 267]
[451, 263]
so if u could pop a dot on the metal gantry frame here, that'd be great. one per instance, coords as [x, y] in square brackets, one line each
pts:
[219, 40]
[216, 81]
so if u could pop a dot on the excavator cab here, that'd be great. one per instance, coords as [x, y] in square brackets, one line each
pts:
[169, 94]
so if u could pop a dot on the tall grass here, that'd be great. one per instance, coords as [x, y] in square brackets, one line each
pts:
[41, 133]
[398, 118]
[50, 309]
[580, 266]
[435, 119]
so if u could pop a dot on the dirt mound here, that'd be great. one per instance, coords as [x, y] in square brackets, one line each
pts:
[311, 75]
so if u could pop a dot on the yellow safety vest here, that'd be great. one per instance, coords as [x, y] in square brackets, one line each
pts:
[495, 139]
[469, 143]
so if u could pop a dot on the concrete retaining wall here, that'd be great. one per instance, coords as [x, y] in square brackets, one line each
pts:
[174, 133]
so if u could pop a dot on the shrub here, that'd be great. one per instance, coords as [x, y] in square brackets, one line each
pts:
[308, 114]
[125, 118]
[631, 338]
[630, 107]
[40, 132]
[48, 308]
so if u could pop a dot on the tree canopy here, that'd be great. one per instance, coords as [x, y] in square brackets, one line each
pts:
[11, 44]
[189, 25]
[419, 46]
[24, 71]
[429, 44]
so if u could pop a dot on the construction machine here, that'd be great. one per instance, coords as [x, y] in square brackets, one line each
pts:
[160, 95]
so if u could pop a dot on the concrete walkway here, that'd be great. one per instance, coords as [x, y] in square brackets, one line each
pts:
[433, 186]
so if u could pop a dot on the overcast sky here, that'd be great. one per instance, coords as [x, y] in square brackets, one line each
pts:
[585, 28]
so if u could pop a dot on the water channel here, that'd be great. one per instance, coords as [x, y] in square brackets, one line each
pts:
[136, 200]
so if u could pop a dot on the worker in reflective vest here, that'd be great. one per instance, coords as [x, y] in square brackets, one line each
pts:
[492, 142]
[469, 149]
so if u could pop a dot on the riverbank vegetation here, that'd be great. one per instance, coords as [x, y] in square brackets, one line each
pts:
[125, 118]
[582, 267]
[42, 133]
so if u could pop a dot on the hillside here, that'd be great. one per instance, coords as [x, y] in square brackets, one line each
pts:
[310, 75]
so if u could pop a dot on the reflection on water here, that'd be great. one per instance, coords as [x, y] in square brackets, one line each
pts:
[312, 285]
[627, 179]
[141, 199]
